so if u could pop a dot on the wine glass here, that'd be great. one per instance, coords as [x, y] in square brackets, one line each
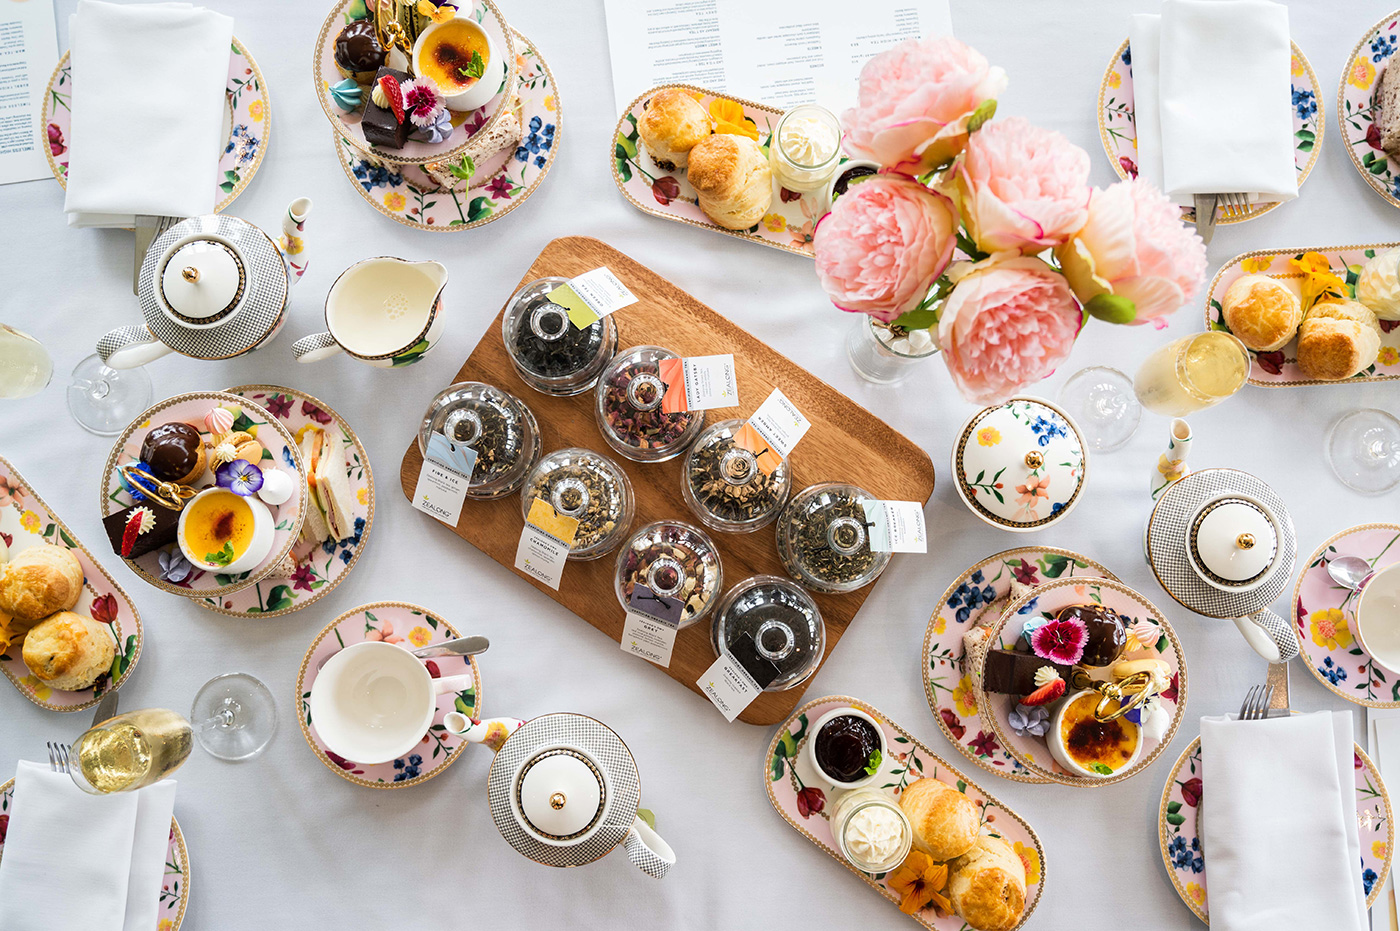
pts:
[1363, 448]
[130, 751]
[25, 365]
[103, 400]
[1101, 401]
[235, 716]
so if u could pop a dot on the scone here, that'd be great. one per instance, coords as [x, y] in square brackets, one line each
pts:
[1262, 312]
[732, 180]
[987, 885]
[1336, 340]
[40, 581]
[945, 821]
[671, 124]
[68, 651]
[1379, 285]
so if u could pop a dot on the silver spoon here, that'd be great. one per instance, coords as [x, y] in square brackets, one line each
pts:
[1349, 571]
[462, 646]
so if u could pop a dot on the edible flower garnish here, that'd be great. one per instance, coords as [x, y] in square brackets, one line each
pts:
[1319, 281]
[422, 102]
[729, 118]
[240, 477]
[1060, 640]
[437, 12]
[919, 881]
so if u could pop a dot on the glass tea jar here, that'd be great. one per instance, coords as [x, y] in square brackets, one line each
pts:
[824, 540]
[629, 396]
[782, 619]
[675, 560]
[496, 424]
[588, 487]
[724, 486]
[550, 354]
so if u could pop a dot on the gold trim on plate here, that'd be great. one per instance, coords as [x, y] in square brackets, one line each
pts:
[1341, 102]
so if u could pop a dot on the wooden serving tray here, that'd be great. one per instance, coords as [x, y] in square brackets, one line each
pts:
[845, 443]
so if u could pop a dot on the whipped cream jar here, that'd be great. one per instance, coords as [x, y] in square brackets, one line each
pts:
[871, 830]
[806, 148]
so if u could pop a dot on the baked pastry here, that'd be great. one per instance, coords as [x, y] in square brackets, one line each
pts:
[987, 885]
[1379, 285]
[175, 453]
[672, 123]
[40, 581]
[68, 651]
[1106, 633]
[732, 180]
[945, 821]
[358, 52]
[1337, 339]
[1262, 312]
[1388, 110]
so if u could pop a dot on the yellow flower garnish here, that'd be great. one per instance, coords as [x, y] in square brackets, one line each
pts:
[919, 881]
[729, 118]
[1319, 280]
[438, 13]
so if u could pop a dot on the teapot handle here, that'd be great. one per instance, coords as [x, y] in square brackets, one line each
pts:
[489, 731]
[316, 347]
[130, 347]
[647, 851]
[1270, 636]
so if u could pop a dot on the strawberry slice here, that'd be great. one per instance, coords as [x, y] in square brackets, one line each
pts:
[395, 95]
[130, 532]
[1046, 693]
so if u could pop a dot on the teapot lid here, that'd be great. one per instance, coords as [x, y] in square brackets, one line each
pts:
[1020, 465]
[202, 281]
[1233, 540]
[561, 793]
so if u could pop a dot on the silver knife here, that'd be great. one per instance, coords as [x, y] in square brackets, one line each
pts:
[462, 646]
[106, 708]
[1205, 215]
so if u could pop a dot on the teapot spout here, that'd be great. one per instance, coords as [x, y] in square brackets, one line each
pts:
[292, 242]
[489, 731]
[1171, 465]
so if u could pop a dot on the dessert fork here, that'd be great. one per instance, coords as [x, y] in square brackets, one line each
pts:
[1256, 703]
[58, 757]
[1234, 206]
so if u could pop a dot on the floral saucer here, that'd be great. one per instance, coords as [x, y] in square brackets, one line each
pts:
[25, 521]
[322, 567]
[417, 627]
[1178, 828]
[1324, 612]
[1119, 133]
[249, 122]
[791, 219]
[1279, 369]
[405, 194]
[802, 798]
[279, 448]
[1357, 106]
[947, 685]
[175, 888]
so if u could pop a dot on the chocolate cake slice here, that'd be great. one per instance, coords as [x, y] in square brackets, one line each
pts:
[381, 125]
[1010, 673]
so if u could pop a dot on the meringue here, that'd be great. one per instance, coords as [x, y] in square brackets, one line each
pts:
[347, 95]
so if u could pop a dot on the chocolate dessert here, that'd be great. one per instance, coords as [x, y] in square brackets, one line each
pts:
[1011, 673]
[173, 451]
[1107, 632]
[358, 53]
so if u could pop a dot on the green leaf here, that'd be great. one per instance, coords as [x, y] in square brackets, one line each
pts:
[981, 115]
[1305, 147]
[969, 247]
[920, 318]
[1102, 769]
[1305, 134]
[464, 169]
[479, 207]
[430, 621]
[69, 541]
[222, 558]
[462, 707]
[624, 171]
[1111, 308]
[231, 176]
[626, 148]
[1176, 819]
[1173, 808]
[474, 68]
[646, 815]
[962, 786]
[776, 767]
[873, 767]
[280, 597]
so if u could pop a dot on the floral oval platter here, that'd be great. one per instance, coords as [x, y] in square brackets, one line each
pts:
[1357, 107]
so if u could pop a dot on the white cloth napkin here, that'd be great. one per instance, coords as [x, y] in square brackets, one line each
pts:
[148, 111]
[1213, 99]
[80, 862]
[1278, 820]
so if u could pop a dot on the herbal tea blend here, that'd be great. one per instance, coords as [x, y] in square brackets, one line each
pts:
[629, 396]
[550, 354]
[724, 486]
[588, 487]
[496, 425]
[824, 539]
[675, 561]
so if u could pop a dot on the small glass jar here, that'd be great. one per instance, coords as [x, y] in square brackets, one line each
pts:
[823, 539]
[496, 424]
[871, 830]
[806, 148]
[880, 355]
[784, 622]
[724, 486]
[550, 354]
[588, 487]
[628, 408]
[675, 560]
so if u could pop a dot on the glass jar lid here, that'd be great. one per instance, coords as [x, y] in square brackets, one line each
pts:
[629, 397]
[724, 486]
[784, 622]
[676, 561]
[551, 353]
[588, 487]
[497, 425]
[824, 539]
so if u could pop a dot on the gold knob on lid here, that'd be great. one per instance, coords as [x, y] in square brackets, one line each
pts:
[1034, 459]
[556, 801]
[189, 273]
[1245, 541]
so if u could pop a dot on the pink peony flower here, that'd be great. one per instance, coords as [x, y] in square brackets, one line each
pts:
[1135, 248]
[883, 245]
[422, 101]
[1022, 187]
[1060, 641]
[917, 101]
[1007, 324]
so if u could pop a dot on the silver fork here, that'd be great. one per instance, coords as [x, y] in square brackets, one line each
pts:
[1256, 703]
[1234, 206]
[58, 757]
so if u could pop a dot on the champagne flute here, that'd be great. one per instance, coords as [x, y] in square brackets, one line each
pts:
[1191, 374]
[130, 751]
[235, 716]
[103, 400]
[25, 365]
[1363, 448]
[1103, 405]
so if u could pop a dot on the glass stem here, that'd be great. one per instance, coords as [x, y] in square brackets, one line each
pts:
[224, 719]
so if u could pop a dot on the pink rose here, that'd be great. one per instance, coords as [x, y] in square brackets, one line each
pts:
[1022, 187]
[1007, 324]
[917, 101]
[883, 245]
[1135, 249]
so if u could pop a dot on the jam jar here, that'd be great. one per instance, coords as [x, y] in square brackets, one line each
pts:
[629, 396]
[724, 486]
[496, 424]
[588, 487]
[550, 354]
[783, 621]
[824, 539]
[675, 560]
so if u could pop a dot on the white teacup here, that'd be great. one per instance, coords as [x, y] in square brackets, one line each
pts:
[1378, 617]
[373, 701]
[384, 311]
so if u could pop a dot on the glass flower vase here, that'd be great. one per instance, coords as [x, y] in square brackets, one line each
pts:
[882, 355]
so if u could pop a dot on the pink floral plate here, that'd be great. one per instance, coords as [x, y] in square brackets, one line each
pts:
[1324, 613]
[279, 451]
[1178, 828]
[1045, 601]
[1357, 107]
[405, 194]
[323, 566]
[416, 627]
[947, 685]
[791, 218]
[1119, 133]
[1279, 369]
[174, 890]
[249, 122]
[801, 797]
[25, 521]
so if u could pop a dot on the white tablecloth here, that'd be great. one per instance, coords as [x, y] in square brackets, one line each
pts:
[281, 841]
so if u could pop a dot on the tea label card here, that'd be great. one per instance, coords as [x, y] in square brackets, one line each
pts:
[773, 431]
[699, 383]
[544, 543]
[442, 484]
[652, 624]
[592, 296]
[896, 526]
[737, 678]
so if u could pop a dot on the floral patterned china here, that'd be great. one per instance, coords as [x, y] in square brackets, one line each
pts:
[249, 121]
[1357, 107]
[413, 627]
[1119, 134]
[985, 587]
[1179, 829]
[804, 799]
[25, 521]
